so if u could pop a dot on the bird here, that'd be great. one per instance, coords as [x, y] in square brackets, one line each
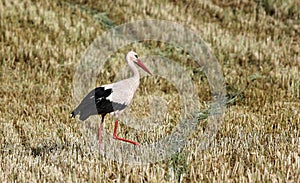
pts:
[112, 98]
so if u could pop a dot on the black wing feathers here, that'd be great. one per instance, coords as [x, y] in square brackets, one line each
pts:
[96, 102]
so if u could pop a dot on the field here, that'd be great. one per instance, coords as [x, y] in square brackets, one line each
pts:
[256, 43]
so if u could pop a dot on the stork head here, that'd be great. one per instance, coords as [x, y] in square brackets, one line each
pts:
[133, 57]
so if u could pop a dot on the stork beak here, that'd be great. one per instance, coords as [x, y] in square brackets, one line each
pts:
[140, 63]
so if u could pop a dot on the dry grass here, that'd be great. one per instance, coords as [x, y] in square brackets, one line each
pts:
[256, 42]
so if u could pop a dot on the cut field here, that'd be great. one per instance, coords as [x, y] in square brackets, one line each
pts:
[255, 42]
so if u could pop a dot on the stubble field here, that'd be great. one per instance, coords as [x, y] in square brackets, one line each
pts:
[255, 42]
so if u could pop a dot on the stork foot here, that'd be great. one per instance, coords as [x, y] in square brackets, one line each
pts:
[118, 138]
[125, 140]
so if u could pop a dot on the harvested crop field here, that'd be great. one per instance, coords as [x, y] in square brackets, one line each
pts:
[256, 43]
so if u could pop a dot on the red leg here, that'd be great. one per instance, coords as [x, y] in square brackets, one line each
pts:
[100, 132]
[118, 138]
[100, 135]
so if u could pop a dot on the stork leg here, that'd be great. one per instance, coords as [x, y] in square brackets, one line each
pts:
[118, 138]
[100, 132]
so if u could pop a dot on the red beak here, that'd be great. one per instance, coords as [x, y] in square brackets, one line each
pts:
[140, 63]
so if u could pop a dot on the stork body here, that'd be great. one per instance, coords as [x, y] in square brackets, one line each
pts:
[112, 98]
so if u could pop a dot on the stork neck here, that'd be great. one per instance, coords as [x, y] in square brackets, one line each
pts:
[134, 70]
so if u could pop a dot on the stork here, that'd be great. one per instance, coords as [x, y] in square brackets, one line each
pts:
[112, 98]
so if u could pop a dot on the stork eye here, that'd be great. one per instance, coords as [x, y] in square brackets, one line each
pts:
[136, 56]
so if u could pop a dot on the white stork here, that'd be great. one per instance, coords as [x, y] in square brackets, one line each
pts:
[112, 98]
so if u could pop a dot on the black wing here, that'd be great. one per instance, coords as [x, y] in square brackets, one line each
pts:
[96, 102]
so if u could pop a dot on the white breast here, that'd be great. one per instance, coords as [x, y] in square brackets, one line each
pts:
[123, 91]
